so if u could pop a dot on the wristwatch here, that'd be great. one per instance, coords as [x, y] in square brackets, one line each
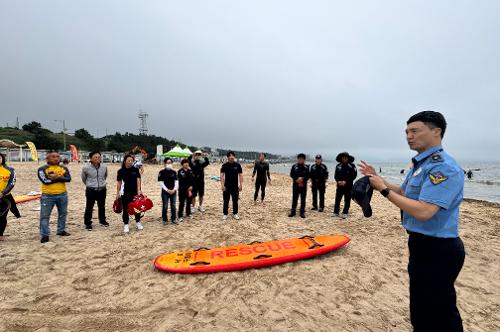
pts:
[385, 192]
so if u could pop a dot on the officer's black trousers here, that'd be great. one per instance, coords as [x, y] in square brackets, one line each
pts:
[343, 191]
[433, 268]
[260, 184]
[93, 196]
[302, 192]
[318, 188]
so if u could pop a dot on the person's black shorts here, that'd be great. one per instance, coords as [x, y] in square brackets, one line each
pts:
[199, 189]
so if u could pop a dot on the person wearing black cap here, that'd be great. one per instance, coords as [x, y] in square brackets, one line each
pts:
[345, 174]
[231, 179]
[300, 175]
[319, 179]
[430, 199]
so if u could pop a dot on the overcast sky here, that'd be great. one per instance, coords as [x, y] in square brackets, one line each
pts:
[280, 76]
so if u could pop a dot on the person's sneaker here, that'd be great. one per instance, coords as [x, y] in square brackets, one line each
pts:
[314, 208]
[126, 229]
[190, 216]
[236, 216]
[291, 214]
[104, 224]
[181, 219]
[201, 208]
[224, 217]
[174, 222]
[344, 215]
[44, 239]
[321, 210]
[139, 226]
[88, 227]
[164, 222]
[302, 215]
[336, 215]
[63, 233]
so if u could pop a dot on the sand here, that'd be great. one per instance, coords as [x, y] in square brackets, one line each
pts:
[105, 281]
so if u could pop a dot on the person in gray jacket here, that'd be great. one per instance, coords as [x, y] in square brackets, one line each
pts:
[94, 177]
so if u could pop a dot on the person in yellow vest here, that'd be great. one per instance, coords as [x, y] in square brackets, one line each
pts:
[53, 178]
[7, 182]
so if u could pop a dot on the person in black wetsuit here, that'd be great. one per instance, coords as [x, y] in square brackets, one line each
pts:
[198, 167]
[231, 179]
[261, 168]
[319, 178]
[300, 175]
[345, 174]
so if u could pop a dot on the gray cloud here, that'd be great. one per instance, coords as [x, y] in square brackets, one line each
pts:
[280, 76]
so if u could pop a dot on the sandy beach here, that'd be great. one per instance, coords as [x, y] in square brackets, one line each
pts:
[105, 281]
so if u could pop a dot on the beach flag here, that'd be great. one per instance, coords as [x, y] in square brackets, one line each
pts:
[34, 152]
[74, 153]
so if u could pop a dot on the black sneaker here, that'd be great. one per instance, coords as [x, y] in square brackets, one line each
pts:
[174, 222]
[63, 233]
[302, 215]
[44, 239]
[321, 210]
[88, 227]
[104, 223]
[291, 214]
[314, 208]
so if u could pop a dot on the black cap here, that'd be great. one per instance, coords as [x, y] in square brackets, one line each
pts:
[362, 193]
[318, 156]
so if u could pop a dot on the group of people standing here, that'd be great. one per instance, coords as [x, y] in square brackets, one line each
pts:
[345, 174]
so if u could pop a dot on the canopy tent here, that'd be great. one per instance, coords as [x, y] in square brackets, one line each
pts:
[186, 149]
[8, 144]
[177, 152]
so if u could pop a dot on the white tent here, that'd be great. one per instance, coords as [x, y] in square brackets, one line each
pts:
[186, 150]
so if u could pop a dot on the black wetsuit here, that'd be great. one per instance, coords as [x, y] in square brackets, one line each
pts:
[198, 168]
[231, 173]
[319, 177]
[186, 180]
[299, 171]
[344, 172]
[261, 168]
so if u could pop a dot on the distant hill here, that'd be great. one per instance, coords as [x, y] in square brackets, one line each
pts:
[83, 140]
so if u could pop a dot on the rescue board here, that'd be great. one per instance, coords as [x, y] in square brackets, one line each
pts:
[249, 256]
[26, 198]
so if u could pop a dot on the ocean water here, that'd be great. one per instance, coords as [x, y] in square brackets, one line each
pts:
[484, 185]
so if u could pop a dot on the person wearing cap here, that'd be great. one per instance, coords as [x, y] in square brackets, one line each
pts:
[300, 175]
[231, 179]
[261, 168]
[430, 199]
[319, 179]
[345, 174]
[198, 167]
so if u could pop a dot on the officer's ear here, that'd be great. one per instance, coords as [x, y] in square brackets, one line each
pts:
[437, 132]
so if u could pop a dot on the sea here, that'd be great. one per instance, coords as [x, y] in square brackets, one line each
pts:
[484, 184]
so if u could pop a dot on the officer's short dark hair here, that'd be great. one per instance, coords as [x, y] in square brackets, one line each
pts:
[229, 153]
[184, 161]
[93, 153]
[167, 159]
[264, 154]
[431, 119]
[301, 156]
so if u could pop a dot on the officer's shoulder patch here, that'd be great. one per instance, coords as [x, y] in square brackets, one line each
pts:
[436, 158]
[437, 178]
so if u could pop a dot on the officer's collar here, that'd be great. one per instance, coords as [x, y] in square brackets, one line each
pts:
[426, 154]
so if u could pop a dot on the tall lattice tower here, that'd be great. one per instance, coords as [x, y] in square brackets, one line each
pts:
[143, 129]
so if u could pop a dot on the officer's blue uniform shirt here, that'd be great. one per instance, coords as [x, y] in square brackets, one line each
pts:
[435, 178]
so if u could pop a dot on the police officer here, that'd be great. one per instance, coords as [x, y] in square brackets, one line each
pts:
[300, 175]
[345, 174]
[319, 178]
[430, 199]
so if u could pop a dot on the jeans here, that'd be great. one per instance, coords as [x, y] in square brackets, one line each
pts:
[47, 203]
[126, 199]
[233, 194]
[93, 196]
[165, 198]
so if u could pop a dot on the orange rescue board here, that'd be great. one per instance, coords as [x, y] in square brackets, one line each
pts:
[249, 256]
[26, 198]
